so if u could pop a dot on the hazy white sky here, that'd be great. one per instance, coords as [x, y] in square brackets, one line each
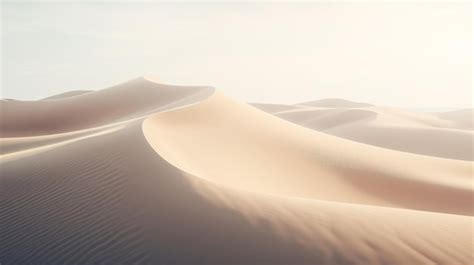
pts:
[405, 54]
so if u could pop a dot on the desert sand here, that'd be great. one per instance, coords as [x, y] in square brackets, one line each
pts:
[148, 173]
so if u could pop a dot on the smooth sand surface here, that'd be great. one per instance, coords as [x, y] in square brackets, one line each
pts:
[145, 173]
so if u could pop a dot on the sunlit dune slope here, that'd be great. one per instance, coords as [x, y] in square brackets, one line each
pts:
[231, 143]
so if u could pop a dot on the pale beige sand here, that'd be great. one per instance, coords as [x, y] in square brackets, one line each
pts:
[262, 153]
[207, 180]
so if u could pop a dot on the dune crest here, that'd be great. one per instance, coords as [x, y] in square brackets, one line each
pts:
[133, 99]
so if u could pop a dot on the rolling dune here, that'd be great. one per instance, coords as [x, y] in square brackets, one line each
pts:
[275, 108]
[145, 173]
[335, 103]
[444, 135]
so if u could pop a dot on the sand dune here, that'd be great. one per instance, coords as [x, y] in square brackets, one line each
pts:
[335, 103]
[275, 108]
[185, 175]
[118, 103]
[265, 154]
[445, 135]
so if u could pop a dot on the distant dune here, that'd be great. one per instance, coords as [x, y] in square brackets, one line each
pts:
[335, 103]
[462, 118]
[147, 173]
[445, 135]
[272, 108]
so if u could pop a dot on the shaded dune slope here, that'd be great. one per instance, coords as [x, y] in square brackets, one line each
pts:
[125, 191]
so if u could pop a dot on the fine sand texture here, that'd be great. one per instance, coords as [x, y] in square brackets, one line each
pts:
[147, 173]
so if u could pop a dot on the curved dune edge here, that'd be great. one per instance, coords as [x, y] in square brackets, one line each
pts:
[332, 232]
[238, 146]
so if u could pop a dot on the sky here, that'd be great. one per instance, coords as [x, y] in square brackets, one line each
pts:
[415, 55]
